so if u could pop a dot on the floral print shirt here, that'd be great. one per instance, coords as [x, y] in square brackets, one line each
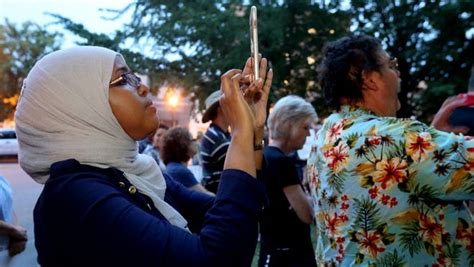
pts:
[391, 192]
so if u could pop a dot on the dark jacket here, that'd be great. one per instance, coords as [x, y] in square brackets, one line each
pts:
[87, 216]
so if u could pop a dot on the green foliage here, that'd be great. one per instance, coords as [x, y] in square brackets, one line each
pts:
[217, 33]
[430, 41]
[20, 47]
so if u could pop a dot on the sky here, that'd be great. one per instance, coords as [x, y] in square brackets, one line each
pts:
[86, 12]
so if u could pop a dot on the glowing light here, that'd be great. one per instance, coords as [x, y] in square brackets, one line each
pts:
[173, 100]
[311, 60]
[312, 31]
[332, 31]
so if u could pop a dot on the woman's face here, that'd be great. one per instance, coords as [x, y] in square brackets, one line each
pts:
[129, 102]
[298, 135]
[158, 138]
[192, 149]
[389, 82]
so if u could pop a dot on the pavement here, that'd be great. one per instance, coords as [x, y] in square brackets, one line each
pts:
[25, 193]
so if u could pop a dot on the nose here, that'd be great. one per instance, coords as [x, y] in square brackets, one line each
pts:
[143, 90]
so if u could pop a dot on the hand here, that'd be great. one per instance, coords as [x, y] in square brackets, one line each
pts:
[18, 237]
[233, 104]
[256, 92]
[16, 246]
[240, 154]
[441, 119]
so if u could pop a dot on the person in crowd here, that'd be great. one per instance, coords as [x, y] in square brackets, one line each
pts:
[285, 227]
[196, 159]
[145, 142]
[388, 191]
[153, 149]
[178, 148]
[215, 142]
[12, 236]
[80, 113]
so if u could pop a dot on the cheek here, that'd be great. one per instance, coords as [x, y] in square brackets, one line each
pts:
[131, 115]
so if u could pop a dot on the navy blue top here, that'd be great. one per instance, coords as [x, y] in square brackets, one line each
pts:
[280, 228]
[87, 216]
[180, 173]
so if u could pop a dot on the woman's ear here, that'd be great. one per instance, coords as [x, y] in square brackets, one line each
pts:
[370, 80]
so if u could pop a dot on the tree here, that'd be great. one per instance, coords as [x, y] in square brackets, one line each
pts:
[210, 37]
[193, 42]
[430, 40]
[20, 48]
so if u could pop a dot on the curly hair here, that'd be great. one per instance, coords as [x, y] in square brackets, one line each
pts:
[344, 61]
[176, 145]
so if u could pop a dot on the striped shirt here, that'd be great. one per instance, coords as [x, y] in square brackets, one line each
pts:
[214, 145]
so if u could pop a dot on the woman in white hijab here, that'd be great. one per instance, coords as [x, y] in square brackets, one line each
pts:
[80, 113]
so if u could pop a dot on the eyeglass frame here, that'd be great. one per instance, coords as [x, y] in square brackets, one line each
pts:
[129, 78]
[393, 64]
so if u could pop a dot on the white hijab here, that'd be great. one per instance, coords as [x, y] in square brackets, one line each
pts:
[64, 113]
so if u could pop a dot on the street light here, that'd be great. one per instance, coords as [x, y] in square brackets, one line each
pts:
[173, 101]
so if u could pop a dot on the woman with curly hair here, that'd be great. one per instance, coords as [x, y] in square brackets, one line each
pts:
[388, 191]
[178, 148]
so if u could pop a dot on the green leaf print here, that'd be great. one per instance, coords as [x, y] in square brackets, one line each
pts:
[410, 238]
[352, 236]
[423, 196]
[462, 224]
[352, 139]
[336, 181]
[391, 121]
[366, 182]
[359, 258]
[430, 249]
[416, 126]
[367, 214]
[391, 259]
[395, 150]
[453, 251]
[408, 184]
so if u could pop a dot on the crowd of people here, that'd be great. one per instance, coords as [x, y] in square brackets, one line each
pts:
[381, 190]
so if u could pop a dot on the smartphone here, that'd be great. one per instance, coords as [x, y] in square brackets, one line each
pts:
[254, 41]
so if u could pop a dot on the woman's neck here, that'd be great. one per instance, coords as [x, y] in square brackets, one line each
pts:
[282, 145]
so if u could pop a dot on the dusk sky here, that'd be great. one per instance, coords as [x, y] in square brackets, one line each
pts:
[86, 12]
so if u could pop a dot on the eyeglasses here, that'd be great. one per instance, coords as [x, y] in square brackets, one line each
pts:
[393, 64]
[127, 78]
